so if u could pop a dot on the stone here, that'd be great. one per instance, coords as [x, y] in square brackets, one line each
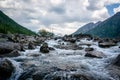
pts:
[14, 53]
[89, 49]
[44, 48]
[106, 44]
[51, 48]
[95, 54]
[22, 47]
[8, 47]
[31, 45]
[6, 69]
[72, 40]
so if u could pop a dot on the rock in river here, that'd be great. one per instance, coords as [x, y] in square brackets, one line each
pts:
[6, 69]
[95, 54]
[89, 49]
[7, 49]
[106, 44]
[44, 48]
[31, 45]
[117, 61]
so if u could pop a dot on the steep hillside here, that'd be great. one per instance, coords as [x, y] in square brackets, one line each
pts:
[7, 25]
[109, 28]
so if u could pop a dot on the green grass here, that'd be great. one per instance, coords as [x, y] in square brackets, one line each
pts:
[7, 25]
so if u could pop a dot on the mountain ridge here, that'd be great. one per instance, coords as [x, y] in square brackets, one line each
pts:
[109, 28]
[8, 25]
[86, 27]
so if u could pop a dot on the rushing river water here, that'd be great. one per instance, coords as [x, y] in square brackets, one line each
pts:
[73, 61]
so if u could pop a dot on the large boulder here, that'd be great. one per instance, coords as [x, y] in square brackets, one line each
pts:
[6, 69]
[106, 44]
[44, 48]
[95, 54]
[13, 53]
[31, 45]
[8, 47]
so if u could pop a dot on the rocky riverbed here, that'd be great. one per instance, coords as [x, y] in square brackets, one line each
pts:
[60, 59]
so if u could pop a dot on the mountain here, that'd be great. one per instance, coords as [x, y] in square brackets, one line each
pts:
[86, 28]
[7, 25]
[110, 28]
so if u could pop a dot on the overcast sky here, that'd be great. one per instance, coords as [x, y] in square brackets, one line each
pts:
[61, 16]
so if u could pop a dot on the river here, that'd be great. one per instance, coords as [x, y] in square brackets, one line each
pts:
[71, 61]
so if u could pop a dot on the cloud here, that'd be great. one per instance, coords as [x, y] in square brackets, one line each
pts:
[95, 5]
[62, 15]
[117, 9]
[58, 10]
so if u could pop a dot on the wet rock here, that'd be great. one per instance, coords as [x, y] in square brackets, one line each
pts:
[39, 41]
[106, 44]
[8, 47]
[117, 61]
[51, 48]
[80, 48]
[44, 48]
[69, 38]
[115, 40]
[89, 49]
[20, 59]
[72, 40]
[13, 53]
[96, 39]
[95, 54]
[6, 69]
[31, 45]
[22, 47]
